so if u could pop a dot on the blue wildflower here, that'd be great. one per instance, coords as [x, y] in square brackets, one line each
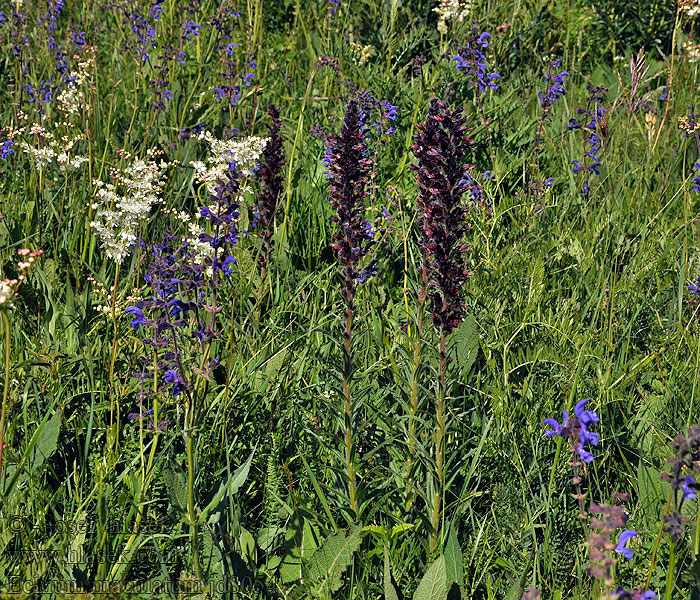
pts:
[625, 536]
[689, 487]
[576, 429]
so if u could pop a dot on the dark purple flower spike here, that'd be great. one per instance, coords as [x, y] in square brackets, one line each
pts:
[272, 177]
[348, 174]
[441, 146]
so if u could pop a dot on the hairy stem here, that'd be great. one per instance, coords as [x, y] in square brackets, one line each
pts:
[347, 399]
[6, 388]
[439, 444]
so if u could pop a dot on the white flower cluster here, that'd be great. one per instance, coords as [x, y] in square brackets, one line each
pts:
[72, 99]
[9, 287]
[451, 10]
[691, 8]
[200, 249]
[123, 205]
[692, 51]
[245, 153]
[107, 302]
[46, 148]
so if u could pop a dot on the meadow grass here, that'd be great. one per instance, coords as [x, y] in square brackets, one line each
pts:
[236, 485]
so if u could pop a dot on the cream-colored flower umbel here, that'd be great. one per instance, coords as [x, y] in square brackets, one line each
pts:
[451, 10]
[125, 203]
[9, 287]
[692, 51]
[245, 154]
[72, 99]
[690, 8]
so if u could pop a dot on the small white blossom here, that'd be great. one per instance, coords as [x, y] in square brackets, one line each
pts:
[122, 206]
[451, 10]
[691, 8]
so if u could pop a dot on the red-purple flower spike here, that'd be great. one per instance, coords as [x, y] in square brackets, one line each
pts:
[348, 173]
[272, 178]
[441, 146]
[348, 170]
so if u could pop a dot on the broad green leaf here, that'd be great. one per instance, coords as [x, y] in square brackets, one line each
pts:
[47, 441]
[465, 343]
[329, 562]
[400, 528]
[227, 488]
[174, 479]
[433, 586]
[454, 566]
[389, 589]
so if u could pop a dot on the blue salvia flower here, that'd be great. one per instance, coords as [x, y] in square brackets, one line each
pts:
[6, 149]
[471, 61]
[623, 594]
[696, 179]
[223, 221]
[689, 487]
[621, 548]
[556, 86]
[172, 275]
[590, 120]
[78, 39]
[575, 428]
[190, 30]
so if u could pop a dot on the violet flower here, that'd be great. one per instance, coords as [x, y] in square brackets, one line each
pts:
[348, 173]
[689, 487]
[623, 594]
[576, 429]
[471, 61]
[625, 536]
[272, 177]
[441, 146]
[556, 86]
[6, 149]
[591, 122]
[603, 525]
[171, 272]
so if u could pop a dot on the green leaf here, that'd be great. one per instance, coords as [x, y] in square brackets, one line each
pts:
[47, 440]
[389, 589]
[433, 586]
[226, 489]
[174, 479]
[302, 542]
[464, 342]
[400, 528]
[329, 562]
[213, 559]
[248, 547]
[454, 567]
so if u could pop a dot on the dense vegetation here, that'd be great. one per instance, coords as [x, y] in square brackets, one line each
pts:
[292, 287]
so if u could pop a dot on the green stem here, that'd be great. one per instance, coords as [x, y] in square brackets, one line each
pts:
[292, 154]
[414, 398]
[349, 443]
[671, 571]
[190, 508]
[6, 388]
[439, 444]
